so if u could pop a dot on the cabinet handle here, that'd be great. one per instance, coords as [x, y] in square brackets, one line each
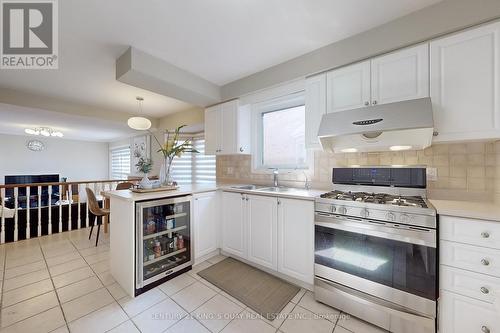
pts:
[367, 103]
[374, 102]
[485, 262]
[485, 234]
[485, 329]
[241, 149]
[279, 202]
[485, 290]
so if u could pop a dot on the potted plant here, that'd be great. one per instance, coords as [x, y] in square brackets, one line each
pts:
[173, 147]
[144, 166]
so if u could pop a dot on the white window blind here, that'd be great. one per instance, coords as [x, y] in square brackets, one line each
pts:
[194, 168]
[120, 163]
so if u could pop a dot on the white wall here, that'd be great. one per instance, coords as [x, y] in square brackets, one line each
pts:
[76, 160]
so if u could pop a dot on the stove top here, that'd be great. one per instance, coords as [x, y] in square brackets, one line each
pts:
[377, 198]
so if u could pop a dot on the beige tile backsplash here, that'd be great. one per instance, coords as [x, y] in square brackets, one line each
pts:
[467, 171]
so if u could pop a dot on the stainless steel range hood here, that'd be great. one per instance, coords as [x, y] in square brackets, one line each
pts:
[395, 126]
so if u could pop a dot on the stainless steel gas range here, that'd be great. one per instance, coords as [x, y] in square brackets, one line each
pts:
[376, 248]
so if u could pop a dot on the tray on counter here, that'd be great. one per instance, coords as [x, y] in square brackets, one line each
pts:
[158, 189]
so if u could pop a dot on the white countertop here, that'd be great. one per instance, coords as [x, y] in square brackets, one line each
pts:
[128, 195]
[475, 210]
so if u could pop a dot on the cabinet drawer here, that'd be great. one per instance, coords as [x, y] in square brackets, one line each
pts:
[460, 314]
[480, 286]
[470, 231]
[473, 258]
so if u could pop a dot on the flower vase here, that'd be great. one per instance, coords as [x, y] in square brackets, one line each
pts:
[165, 176]
[145, 183]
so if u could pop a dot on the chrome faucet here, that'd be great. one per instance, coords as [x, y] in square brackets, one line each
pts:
[275, 177]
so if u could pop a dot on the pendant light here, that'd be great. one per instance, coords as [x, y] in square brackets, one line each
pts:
[139, 123]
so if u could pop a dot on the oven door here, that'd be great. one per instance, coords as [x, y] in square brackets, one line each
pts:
[396, 263]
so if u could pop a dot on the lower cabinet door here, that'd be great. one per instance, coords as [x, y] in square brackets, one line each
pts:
[296, 239]
[460, 314]
[205, 211]
[262, 229]
[234, 224]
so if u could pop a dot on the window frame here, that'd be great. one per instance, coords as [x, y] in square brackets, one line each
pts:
[258, 110]
[111, 149]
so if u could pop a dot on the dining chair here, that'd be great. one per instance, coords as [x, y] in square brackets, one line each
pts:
[97, 211]
[124, 186]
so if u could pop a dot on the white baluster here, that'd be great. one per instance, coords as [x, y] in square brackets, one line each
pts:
[87, 208]
[39, 231]
[70, 197]
[16, 217]
[50, 210]
[28, 204]
[61, 196]
[79, 208]
[2, 203]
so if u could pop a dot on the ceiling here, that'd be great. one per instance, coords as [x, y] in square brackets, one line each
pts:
[219, 40]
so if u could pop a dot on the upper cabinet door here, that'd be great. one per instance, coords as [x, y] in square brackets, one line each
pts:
[465, 84]
[230, 127]
[213, 130]
[348, 87]
[401, 75]
[315, 108]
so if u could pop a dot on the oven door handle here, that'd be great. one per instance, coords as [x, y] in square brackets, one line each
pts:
[419, 236]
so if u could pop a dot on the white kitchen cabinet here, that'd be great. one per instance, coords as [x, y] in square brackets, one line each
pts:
[227, 129]
[296, 239]
[348, 87]
[205, 223]
[400, 75]
[262, 216]
[234, 224]
[315, 108]
[465, 84]
[460, 314]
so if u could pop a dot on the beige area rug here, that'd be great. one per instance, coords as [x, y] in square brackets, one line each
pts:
[262, 292]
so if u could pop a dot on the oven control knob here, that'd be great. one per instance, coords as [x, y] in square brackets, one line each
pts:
[342, 210]
[391, 217]
[404, 218]
[365, 213]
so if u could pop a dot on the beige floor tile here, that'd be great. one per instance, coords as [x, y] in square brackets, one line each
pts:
[62, 329]
[126, 327]
[28, 308]
[216, 313]
[24, 269]
[134, 306]
[248, 323]
[62, 259]
[26, 292]
[193, 296]
[67, 267]
[43, 322]
[58, 251]
[339, 329]
[280, 318]
[100, 266]
[98, 257]
[198, 268]
[308, 302]
[216, 259]
[23, 280]
[188, 325]
[72, 277]
[302, 320]
[177, 283]
[106, 278]
[210, 285]
[94, 250]
[356, 325]
[159, 317]
[296, 299]
[232, 299]
[84, 305]
[101, 320]
[78, 289]
[10, 263]
[116, 291]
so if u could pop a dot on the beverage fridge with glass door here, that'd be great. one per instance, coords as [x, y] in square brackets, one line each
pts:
[163, 240]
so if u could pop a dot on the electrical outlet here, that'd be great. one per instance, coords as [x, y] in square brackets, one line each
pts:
[432, 174]
[230, 170]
